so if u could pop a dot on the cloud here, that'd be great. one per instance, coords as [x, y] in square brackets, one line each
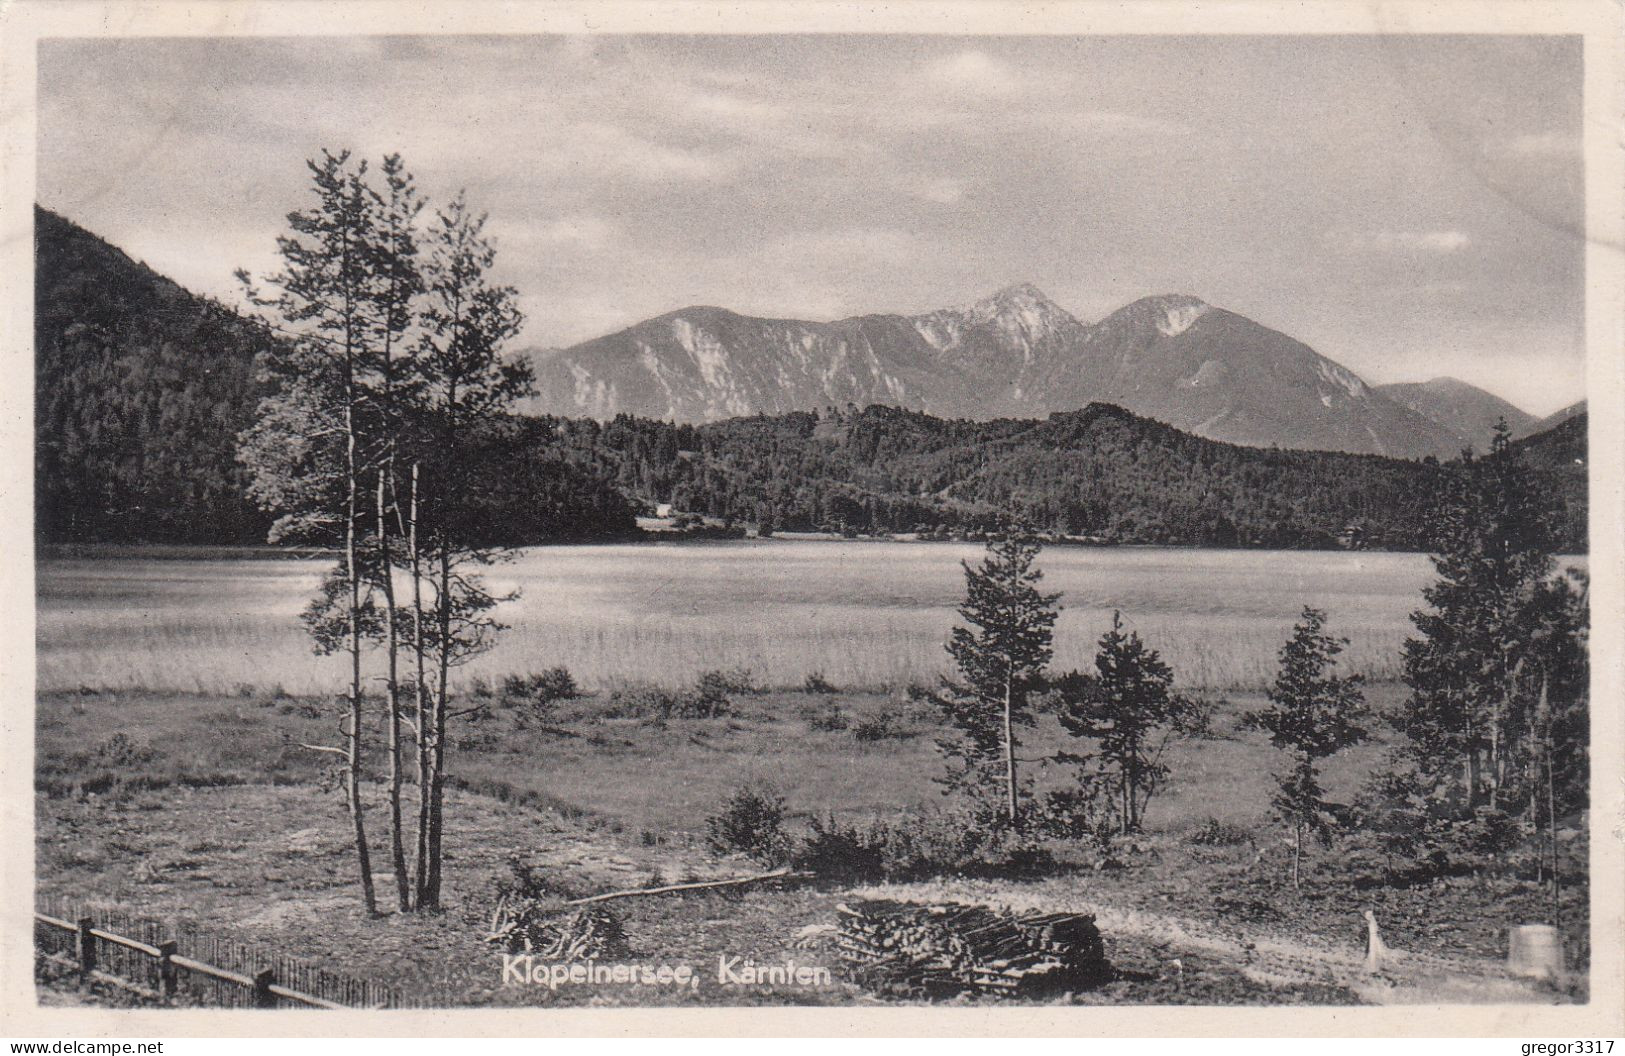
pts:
[581, 231]
[973, 71]
[943, 190]
[1543, 144]
[779, 128]
[727, 109]
[843, 245]
[594, 146]
[1112, 123]
[1437, 242]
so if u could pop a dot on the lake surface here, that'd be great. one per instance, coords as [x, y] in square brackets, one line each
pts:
[859, 613]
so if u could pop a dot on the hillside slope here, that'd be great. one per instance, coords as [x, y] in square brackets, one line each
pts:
[1466, 410]
[140, 388]
[1553, 420]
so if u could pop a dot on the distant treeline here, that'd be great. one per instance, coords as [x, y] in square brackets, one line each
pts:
[1100, 472]
[142, 388]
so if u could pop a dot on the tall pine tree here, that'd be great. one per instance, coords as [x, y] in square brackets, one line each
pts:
[1312, 715]
[1496, 624]
[1131, 712]
[1001, 652]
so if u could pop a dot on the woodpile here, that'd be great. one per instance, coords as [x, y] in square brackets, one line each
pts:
[588, 933]
[946, 949]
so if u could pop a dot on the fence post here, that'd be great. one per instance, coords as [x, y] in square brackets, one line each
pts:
[87, 945]
[263, 998]
[167, 983]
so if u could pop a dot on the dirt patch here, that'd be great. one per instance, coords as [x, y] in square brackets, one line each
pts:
[271, 865]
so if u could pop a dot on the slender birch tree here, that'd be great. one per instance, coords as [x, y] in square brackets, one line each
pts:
[305, 451]
[398, 283]
[466, 380]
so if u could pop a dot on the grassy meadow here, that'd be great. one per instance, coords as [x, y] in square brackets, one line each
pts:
[636, 777]
[202, 807]
[865, 615]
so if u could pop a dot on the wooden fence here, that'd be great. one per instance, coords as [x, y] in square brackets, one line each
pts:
[184, 965]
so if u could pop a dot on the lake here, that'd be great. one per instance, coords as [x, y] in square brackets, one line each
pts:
[862, 614]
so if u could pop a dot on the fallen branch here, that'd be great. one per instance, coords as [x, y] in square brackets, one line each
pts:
[782, 873]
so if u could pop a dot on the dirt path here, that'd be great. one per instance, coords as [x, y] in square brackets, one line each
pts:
[1405, 977]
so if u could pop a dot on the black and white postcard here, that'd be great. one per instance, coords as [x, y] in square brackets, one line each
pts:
[794, 507]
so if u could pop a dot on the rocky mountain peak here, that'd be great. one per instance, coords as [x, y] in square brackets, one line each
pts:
[1022, 308]
[1171, 314]
[1022, 297]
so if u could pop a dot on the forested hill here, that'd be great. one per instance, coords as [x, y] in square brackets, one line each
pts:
[1559, 459]
[1100, 471]
[139, 390]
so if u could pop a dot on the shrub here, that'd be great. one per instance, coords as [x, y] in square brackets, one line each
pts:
[642, 700]
[1082, 814]
[880, 727]
[477, 741]
[119, 750]
[750, 822]
[725, 681]
[547, 687]
[816, 683]
[1199, 716]
[1216, 833]
[918, 845]
[710, 697]
[840, 855]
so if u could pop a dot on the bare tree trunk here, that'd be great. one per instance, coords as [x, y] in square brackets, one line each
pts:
[1134, 786]
[1495, 753]
[1009, 748]
[437, 769]
[353, 748]
[397, 843]
[1297, 850]
[1473, 782]
[421, 690]
[1551, 806]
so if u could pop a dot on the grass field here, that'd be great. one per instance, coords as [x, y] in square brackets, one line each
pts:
[202, 810]
[626, 775]
[865, 614]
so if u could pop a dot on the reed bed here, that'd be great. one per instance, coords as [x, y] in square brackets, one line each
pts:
[862, 615]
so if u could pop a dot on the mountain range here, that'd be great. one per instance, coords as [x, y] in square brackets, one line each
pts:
[142, 387]
[1173, 358]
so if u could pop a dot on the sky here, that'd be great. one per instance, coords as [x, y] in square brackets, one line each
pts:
[1410, 207]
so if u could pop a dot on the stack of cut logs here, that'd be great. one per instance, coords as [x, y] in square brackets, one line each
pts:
[940, 950]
